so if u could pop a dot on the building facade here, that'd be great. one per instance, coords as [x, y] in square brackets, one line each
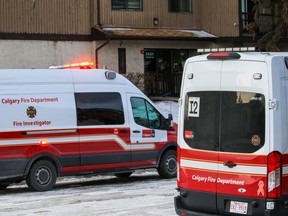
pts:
[150, 39]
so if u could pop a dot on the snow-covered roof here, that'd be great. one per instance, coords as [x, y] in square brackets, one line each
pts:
[150, 33]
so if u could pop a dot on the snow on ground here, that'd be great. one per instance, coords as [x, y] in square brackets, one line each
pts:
[144, 193]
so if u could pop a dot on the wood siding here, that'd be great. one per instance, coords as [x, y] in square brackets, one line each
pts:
[221, 17]
[45, 16]
[77, 17]
[151, 9]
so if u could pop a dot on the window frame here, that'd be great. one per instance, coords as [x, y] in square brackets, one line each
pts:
[85, 108]
[237, 121]
[148, 110]
[122, 61]
[180, 6]
[126, 5]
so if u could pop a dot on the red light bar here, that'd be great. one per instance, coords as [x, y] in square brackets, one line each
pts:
[81, 65]
[223, 55]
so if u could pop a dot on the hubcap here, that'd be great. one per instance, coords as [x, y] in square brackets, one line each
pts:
[171, 165]
[43, 176]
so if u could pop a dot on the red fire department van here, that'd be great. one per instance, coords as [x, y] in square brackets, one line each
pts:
[232, 138]
[76, 122]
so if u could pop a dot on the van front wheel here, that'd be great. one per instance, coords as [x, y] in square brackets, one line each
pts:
[42, 176]
[168, 165]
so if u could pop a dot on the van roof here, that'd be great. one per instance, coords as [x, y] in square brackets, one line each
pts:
[17, 76]
[249, 56]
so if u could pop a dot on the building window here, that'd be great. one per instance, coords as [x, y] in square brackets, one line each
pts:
[127, 4]
[180, 6]
[247, 14]
[260, 10]
[122, 60]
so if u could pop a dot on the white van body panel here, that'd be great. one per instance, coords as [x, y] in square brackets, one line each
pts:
[78, 121]
[231, 177]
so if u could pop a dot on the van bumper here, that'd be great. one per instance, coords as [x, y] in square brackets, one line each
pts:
[180, 210]
[257, 207]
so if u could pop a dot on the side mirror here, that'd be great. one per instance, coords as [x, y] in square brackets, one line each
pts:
[170, 120]
[167, 122]
[170, 117]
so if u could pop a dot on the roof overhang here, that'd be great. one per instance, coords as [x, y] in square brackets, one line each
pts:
[150, 34]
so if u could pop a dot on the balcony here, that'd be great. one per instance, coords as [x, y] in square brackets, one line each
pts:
[159, 84]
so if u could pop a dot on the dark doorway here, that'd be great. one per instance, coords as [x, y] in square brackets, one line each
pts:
[163, 70]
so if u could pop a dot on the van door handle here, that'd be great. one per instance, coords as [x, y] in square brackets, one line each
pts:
[136, 131]
[230, 164]
[123, 131]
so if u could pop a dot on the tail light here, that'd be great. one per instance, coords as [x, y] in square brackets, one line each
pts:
[274, 175]
[223, 56]
[183, 213]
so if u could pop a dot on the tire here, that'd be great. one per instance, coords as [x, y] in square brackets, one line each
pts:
[168, 165]
[123, 175]
[42, 176]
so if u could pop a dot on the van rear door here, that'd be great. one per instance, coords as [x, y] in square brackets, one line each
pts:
[200, 135]
[224, 136]
[243, 154]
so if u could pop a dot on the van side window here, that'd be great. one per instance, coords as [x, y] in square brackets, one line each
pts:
[145, 114]
[225, 121]
[100, 108]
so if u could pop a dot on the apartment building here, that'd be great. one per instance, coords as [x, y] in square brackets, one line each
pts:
[149, 38]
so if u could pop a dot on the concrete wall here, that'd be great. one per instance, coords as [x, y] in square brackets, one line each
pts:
[42, 54]
[108, 55]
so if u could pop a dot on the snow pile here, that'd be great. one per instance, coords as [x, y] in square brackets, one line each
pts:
[168, 107]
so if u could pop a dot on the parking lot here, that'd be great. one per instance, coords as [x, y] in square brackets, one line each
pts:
[144, 193]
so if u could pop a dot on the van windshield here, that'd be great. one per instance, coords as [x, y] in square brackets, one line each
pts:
[225, 121]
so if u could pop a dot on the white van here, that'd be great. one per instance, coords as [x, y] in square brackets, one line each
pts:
[77, 122]
[232, 135]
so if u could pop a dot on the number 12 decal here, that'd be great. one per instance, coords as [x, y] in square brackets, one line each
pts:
[194, 107]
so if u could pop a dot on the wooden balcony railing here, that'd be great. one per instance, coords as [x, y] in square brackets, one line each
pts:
[162, 84]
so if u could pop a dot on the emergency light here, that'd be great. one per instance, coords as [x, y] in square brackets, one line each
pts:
[223, 55]
[227, 49]
[81, 65]
[43, 142]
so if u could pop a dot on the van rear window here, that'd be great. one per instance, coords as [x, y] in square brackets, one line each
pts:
[225, 121]
[100, 108]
